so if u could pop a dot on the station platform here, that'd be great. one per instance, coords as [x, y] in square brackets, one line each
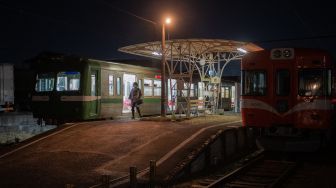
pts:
[80, 153]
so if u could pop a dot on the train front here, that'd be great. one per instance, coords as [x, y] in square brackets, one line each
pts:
[287, 92]
[58, 88]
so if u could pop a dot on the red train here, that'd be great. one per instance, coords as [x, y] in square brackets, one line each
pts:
[288, 91]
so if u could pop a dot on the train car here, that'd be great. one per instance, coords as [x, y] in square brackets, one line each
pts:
[71, 88]
[288, 92]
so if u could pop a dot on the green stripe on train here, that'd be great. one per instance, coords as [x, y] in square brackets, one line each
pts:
[152, 100]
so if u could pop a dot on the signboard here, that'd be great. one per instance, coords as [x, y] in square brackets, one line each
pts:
[215, 80]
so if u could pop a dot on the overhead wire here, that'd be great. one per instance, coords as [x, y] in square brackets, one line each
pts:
[128, 12]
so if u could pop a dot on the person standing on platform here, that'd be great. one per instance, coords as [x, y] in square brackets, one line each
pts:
[135, 97]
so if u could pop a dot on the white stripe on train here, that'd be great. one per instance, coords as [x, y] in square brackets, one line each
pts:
[318, 104]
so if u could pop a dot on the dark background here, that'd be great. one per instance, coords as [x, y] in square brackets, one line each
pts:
[97, 28]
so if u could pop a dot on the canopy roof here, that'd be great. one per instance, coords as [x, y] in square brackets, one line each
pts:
[188, 47]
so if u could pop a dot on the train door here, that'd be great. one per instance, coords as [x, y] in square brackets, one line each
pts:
[94, 93]
[282, 100]
[225, 98]
[129, 79]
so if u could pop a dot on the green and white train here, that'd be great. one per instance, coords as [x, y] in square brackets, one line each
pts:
[72, 88]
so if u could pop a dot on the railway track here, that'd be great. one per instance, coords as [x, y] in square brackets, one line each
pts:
[256, 173]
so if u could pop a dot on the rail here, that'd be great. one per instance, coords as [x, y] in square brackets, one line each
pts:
[258, 172]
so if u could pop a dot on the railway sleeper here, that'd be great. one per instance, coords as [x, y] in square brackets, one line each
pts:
[244, 184]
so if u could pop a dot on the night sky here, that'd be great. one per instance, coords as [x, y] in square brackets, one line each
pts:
[97, 28]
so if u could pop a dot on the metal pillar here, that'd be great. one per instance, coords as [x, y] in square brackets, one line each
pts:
[163, 74]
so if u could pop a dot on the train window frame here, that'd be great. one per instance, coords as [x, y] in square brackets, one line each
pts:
[264, 89]
[225, 92]
[326, 88]
[186, 85]
[192, 90]
[118, 86]
[69, 85]
[280, 93]
[51, 80]
[111, 85]
[148, 87]
[156, 88]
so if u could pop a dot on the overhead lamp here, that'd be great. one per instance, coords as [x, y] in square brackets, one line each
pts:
[242, 50]
[157, 53]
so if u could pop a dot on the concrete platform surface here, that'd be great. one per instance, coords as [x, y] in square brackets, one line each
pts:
[80, 153]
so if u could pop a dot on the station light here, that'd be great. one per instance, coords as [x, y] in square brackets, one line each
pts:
[157, 53]
[168, 20]
[242, 50]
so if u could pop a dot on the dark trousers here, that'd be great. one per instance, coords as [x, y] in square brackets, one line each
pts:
[137, 107]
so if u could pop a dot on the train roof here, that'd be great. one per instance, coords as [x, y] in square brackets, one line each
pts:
[59, 57]
[297, 50]
[122, 66]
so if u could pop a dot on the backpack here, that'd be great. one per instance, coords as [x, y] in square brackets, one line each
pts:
[136, 93]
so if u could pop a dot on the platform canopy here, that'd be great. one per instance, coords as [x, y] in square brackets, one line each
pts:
[184, 57]
[188, 48]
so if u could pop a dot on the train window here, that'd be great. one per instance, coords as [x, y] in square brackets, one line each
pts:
[329, 82]
[68, 81]
[201, 89]
[148, 87]
[172, 92]
[118, 86]
[192, 90]
[140, 84]
[157, 87]
[254, 82]
[45, 82]
[111, 85]
[93, 84]
[185, 88]
[196, 90]
[314, 82]
[282, 82]
[225, 92]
